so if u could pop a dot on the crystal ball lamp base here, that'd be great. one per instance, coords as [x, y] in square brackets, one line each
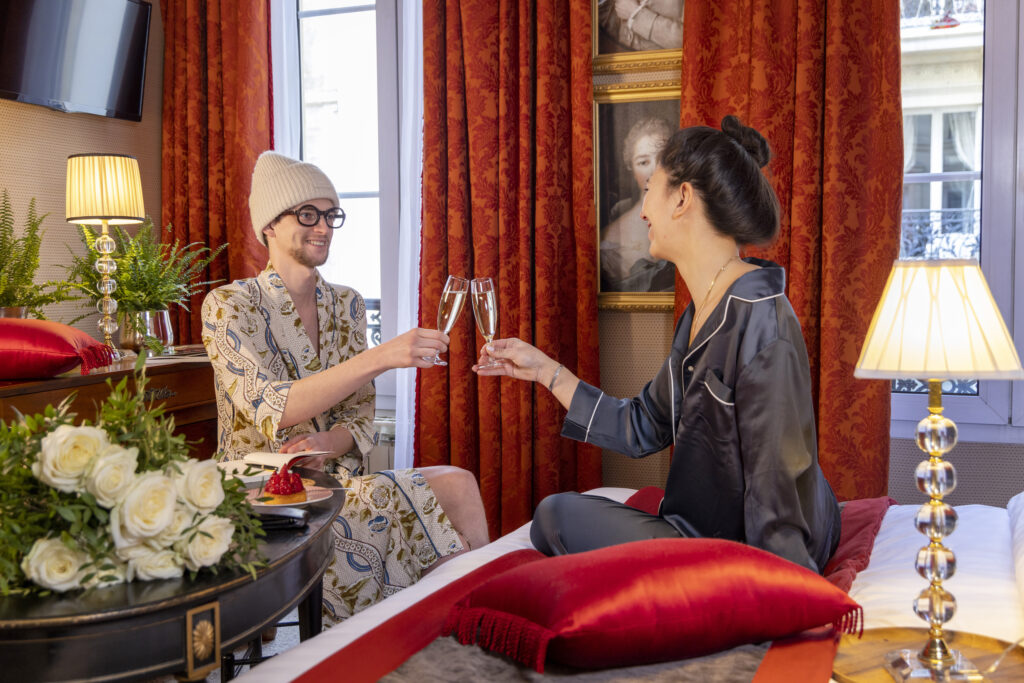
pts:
[936, 435]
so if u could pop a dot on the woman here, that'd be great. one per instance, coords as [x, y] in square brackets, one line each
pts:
[626, 263]
[734, 396]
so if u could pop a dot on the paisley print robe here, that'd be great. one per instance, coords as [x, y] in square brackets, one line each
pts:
[390, 527]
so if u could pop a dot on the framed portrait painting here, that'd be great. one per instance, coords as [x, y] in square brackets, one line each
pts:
[632, 122]
[637, 35]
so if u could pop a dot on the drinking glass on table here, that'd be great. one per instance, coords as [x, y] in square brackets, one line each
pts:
[448, 309]
[485, 310]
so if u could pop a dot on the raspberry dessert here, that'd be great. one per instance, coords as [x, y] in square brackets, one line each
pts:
[285, 487]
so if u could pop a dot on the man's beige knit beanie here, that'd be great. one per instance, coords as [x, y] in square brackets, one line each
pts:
[279, 183]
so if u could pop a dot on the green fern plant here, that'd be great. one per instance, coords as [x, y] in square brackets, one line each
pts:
[19, 260]
[151, 275]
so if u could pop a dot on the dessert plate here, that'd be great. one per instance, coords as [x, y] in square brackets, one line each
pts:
[314, 494]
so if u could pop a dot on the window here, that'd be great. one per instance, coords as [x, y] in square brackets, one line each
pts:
[335, 91]
[961, 131]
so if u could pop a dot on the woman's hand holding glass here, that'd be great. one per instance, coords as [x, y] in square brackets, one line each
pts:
[448, 308]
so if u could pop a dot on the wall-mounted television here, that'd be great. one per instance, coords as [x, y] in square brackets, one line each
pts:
[75, 55]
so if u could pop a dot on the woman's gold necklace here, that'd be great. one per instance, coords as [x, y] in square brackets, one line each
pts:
[703, 303]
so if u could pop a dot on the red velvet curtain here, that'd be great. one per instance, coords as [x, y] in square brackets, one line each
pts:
[217, 118]
[821, 80]
[508, 194]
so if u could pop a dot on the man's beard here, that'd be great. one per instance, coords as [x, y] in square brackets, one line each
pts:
[302, 258]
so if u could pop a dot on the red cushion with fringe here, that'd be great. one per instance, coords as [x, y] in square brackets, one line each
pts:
[647, 601]
[38, 349]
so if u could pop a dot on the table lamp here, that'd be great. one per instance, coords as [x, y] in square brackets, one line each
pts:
[104, 189]
[936, 320]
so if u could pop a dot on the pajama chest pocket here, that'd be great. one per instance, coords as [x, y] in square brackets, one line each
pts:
[717, 406]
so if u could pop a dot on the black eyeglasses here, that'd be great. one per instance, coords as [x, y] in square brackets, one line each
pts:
[309, 215]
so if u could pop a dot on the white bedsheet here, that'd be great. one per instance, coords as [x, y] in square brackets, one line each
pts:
[986, 585]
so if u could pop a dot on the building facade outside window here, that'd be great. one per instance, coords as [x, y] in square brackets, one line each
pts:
[962, 125]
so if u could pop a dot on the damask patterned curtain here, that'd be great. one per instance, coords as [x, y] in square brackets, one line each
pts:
[508, 194]
[821, 80]
[217, 118]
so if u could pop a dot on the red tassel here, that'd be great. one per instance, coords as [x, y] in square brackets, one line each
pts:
[851, 622]
[506, 634]
[95, 356]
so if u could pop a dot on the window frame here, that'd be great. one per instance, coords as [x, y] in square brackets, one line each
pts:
[996, 414]
[287, 74]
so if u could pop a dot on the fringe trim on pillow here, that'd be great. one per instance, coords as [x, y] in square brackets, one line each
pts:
[500, 632]
[95, 356]
[851, 622]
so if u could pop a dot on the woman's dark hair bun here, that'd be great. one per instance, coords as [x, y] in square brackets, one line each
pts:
[749, 139]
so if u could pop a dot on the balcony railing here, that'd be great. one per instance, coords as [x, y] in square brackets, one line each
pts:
[941, 233]
[940, 13]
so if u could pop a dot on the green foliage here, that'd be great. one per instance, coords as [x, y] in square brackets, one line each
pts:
[151, 275]
[31, 510]
[19, 260]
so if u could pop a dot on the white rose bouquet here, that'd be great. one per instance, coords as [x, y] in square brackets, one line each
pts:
[85, 506]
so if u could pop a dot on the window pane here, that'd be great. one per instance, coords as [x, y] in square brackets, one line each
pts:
[355, 249]
[917, 146]
[959, 148]
[339, 102]
[952, 231]
[305, 5]
[942, 46]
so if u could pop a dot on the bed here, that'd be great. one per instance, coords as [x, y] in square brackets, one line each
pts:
[403, 629]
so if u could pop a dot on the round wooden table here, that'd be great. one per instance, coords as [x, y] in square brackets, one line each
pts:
[149, 628]
[862, 660]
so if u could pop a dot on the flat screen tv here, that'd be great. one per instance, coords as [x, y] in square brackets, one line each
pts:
[75, 55]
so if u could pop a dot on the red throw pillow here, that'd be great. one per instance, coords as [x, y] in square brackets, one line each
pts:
[647, 601]
[37, 349]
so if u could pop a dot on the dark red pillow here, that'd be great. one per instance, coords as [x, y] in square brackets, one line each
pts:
[37, 349]
[647, 601]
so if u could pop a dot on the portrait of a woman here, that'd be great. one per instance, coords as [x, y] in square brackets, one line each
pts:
[626, 263]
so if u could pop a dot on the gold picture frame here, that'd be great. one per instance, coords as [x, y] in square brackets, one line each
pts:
[619, 48]
[639, 116]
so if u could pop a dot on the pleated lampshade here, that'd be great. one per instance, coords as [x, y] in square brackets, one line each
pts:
[104, 187]
[938, 320]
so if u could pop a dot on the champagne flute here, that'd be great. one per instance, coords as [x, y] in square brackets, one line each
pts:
[485, 310]
[448, 309]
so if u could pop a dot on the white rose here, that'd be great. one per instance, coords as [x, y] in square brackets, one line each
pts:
[53, 565]
[131, 552]
[183, 518]
[145, 511]
[111, 473]
[200, 484]
[157, 564]
[205, 549]
[64, 455]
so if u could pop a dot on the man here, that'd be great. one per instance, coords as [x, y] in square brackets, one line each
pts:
[292, 373]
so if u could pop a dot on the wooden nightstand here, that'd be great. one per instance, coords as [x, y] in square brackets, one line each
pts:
[862, 660]
[185, 388]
